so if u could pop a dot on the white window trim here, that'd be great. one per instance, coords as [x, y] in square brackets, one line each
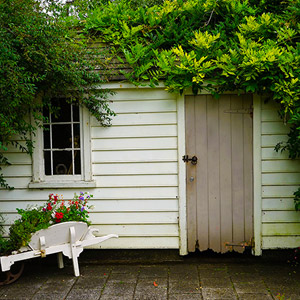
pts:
[85, 180]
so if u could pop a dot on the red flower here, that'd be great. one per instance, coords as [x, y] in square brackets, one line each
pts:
[49, 207]
[58, 216]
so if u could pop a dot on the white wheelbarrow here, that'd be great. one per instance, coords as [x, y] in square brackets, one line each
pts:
[68, 238]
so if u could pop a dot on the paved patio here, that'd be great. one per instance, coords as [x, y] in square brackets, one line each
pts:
[128, 276]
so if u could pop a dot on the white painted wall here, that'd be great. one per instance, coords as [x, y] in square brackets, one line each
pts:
[280, 227]
[134, 164]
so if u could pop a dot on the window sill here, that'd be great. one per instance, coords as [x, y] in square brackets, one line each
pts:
[62, 184]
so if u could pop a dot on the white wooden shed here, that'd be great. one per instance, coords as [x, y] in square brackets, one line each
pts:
[240, 189]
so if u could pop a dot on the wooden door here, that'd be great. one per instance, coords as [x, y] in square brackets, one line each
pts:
[220, 185]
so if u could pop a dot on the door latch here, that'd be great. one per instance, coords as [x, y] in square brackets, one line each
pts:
[193, 160]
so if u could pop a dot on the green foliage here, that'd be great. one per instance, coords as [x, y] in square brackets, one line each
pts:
[42, 58]
[214, 45]
[32, 219]
[3, 241]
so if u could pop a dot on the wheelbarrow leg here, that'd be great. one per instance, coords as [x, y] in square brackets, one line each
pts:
[60, 260]
[74, 252]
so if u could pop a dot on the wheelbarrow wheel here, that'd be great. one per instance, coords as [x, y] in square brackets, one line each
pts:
[12, 275]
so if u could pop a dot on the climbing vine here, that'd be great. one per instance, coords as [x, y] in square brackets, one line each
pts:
[41, 58]
[213, 45]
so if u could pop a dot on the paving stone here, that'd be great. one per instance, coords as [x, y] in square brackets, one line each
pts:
[49, 296]
[128, 277]
[185, 287]
[86, 294]
[16, 293]
[113, 297]
[148, 289]
[57, 285]
[119, 289]
[153, 271]
[153, 294]
[216, 283]
[158, 296]
[246, 277]
[95, 270]
[250, 287]
[241, 269]
[213, 273]
[185, 297]
[207, 266]
[184, 270]
[285, 281]
[255, 297]
[89, 283]
[218, 293]
[125, 269]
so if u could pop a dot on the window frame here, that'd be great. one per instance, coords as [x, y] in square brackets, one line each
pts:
[85, 180]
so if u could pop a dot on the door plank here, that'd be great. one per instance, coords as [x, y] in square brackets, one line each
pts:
[202, 173]
[237, 172]
[213, 159]
[225, 172]
[191, 172]
[248, 167]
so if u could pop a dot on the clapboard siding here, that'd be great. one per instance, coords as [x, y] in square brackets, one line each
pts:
[131, 119]
[121, 144]
[147, 168]
[134, 131]
[280, 179]
[135, 162]
[134, 165]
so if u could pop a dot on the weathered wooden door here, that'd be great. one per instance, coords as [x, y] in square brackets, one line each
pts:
[219, 185]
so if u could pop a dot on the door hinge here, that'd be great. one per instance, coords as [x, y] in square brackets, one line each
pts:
[241, 244]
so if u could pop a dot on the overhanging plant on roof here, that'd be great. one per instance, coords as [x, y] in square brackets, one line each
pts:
[41, 58]
[214, 45]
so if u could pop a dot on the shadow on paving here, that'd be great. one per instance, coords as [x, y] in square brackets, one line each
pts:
[160, 274]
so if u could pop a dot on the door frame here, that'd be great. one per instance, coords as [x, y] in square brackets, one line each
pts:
[257, 180]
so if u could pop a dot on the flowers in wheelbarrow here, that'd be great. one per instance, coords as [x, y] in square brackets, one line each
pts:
[55, 210]
[71, 210]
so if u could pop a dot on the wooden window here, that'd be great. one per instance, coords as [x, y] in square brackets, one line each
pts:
[62, 142]
[62, 154]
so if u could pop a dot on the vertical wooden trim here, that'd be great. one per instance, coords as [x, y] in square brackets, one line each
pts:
[181, 176]
[257, 180]
[86, 147]
[37, 155]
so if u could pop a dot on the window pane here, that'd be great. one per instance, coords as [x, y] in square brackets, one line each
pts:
[76, 131]
[61, 136]
[47, 161]
[46, 137]
[64, 113]
[62, 163]
[75, 113]
[77, 159]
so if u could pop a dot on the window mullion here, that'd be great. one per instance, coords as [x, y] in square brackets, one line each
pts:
[72, 135]
[51, 150]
